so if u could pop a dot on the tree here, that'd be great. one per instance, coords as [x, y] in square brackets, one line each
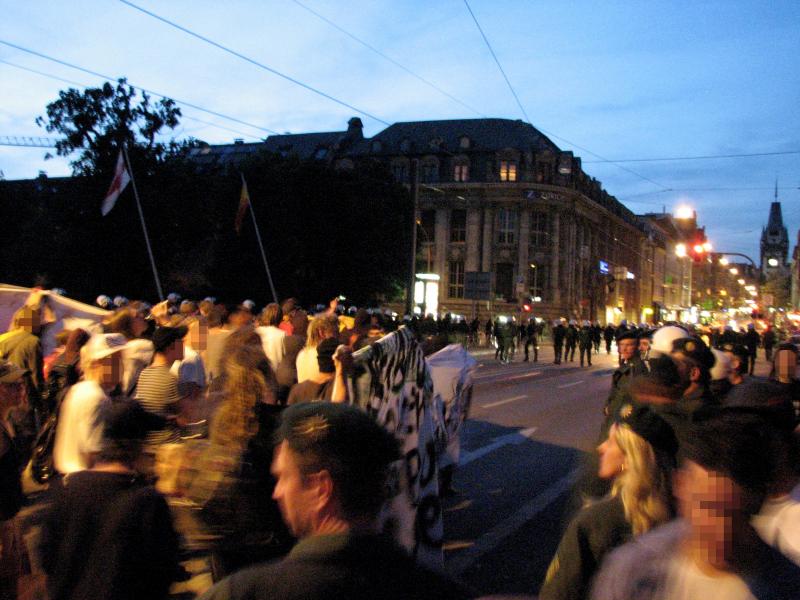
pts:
[96, 122]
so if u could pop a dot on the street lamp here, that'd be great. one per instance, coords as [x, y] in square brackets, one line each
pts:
[680, 250]
[733, 271]
[741, 281]
[724, 262]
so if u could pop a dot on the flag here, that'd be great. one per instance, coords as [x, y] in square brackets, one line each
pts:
[244, 202]
[121, 179]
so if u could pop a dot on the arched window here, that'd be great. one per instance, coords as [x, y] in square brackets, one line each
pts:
[429, 169]
[464, 142]
[461, 168]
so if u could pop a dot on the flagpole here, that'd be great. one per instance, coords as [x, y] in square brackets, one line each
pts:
[260, 245]
[144, 226]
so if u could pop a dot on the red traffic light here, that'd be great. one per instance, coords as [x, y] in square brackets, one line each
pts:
[526, 307]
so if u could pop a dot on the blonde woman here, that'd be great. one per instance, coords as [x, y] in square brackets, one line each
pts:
[321, 328]
[639, 456]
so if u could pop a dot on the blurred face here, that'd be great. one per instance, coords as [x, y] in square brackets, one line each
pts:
[627, 348]
[712, 504]
[294, 495]
[644, 346]
[611, 456]
[110, 370]
[198, 336]
[139, 324]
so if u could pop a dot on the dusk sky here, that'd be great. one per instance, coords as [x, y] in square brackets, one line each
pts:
[617, 80]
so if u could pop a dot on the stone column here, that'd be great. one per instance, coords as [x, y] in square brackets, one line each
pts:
[442, 238]
[555, 240]
[523, 270]
[472, 261]
[488, 239]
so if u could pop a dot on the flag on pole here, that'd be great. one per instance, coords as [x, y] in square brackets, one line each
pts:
[244, 202]
[121, 179]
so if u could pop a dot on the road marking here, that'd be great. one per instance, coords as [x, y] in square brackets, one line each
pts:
[526, 375]
[457, 545]
[510, 438]
[566, 385]
[495, 536]
[501, 402]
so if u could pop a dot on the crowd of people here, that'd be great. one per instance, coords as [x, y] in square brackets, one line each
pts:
[249, 419]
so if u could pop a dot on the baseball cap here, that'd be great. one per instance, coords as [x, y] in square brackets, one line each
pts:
[11, 373]
[164, 337]
[646, 423]
[101, 345]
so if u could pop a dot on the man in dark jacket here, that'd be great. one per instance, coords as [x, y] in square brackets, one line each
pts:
[571, 340]
[585, 340]
[331, 468]
[751, 342]
[531, 340]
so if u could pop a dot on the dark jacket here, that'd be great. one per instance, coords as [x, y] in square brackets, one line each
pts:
[338, 566]
[108, 536]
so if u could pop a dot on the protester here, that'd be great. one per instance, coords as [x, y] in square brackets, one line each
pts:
[77, 433]
[321, 328]
[330, 384]
[13, 396]
[331, 466]
[244, 518]
[271, 335]
[190, 370]
[639, 456]
[157, 390]
[108, 534]
[286, 373]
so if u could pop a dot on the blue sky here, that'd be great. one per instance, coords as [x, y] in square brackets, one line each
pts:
[623, 80]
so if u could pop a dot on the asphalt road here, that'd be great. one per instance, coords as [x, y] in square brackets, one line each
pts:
[530, 428]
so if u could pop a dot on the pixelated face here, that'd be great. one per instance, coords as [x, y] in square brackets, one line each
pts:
[293, 494]
[611, 456]
[712, 504]
[110, 370]
[627, 349]
[198, 336]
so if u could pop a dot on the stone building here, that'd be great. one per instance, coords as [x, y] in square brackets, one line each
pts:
[497, 196]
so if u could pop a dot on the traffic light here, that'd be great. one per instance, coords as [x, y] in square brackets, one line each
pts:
[699, 249]
[526, 307]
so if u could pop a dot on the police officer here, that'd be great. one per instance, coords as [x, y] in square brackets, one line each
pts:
[585, 340]
[571, 339]
[530, 340]
[559, 333]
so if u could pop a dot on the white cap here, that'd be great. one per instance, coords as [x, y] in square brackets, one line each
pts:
[587, 324]
[120, 301]
[249, 304]
[663, 338]
[101, 345]
[103, 301]
[722, 365]
[173, 297]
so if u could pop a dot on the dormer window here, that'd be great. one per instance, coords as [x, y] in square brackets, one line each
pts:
[436, 143]
[321, 153]
[377, 146]
[405, 145]
[464, 142]
[508, 170]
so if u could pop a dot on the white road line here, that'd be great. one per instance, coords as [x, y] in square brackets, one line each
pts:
[566, 385]
[495, 536]
[526, 375]
[501, 402]
[511, 438]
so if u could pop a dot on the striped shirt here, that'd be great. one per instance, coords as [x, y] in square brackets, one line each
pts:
[157, 392]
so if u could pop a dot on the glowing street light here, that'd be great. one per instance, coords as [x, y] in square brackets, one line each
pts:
[723, 261]
[733, 271]
[684, 212]
[680, 250]
[707, 247]
[741, 281]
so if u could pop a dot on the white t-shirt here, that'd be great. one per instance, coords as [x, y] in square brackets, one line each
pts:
[307, 365]
[778, 524]
[77, 433]
[136, 357]
[685, 581]
[190, 369]
[272, 341]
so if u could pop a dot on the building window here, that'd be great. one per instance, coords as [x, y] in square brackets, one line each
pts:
[405, 145]
[461, 173]
[429, 171]
[464, 142]
[538, 280]
[508, 170]
[455, 279]
[427, 223]
[321, 153]
[376, 146]
[458, 225]
[506, 225]
[400, 172]
[540, 229]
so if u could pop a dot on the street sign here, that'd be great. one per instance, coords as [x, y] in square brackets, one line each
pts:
[603, 267]
[477, 285]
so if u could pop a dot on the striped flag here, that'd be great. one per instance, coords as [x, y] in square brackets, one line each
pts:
[121, 179]
[244, 202]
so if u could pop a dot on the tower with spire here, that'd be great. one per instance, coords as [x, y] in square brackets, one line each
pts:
[774, 241]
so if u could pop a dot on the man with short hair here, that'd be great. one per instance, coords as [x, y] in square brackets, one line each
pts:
[332, 467]
[271, 336]
[329, 383]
